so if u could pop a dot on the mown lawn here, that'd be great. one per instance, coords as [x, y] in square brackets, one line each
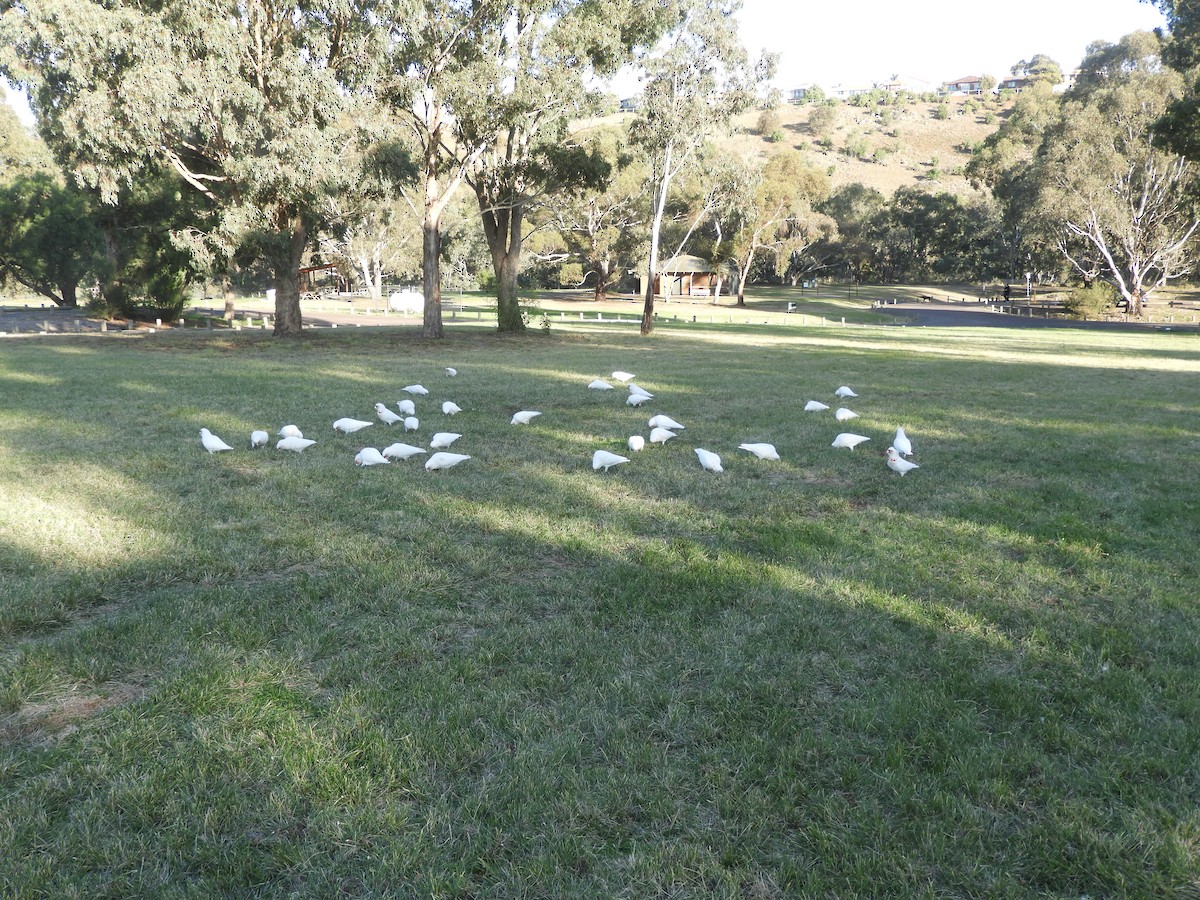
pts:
[262, 674]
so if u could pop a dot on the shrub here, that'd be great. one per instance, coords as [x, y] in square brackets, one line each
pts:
[856, 146]
[1092, 301]
[821, 119]
[942, 111]
[768, 121]
[163, 296]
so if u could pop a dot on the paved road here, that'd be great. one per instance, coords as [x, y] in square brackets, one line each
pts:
[974, 315]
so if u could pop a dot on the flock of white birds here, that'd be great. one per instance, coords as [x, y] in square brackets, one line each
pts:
[662, 429]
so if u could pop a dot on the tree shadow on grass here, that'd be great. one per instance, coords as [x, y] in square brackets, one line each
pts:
[812, 675]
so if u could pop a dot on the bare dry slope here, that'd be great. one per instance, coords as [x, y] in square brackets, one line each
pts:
[883, 147]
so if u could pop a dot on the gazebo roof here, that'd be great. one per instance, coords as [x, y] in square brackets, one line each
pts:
[681, 264]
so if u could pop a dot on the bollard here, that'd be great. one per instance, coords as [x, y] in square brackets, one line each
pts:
[104, 326]
[45, 326]
[158, 323]
[181, 323]
[843, 320]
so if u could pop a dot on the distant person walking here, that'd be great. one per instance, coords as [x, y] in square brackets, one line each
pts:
[1007, 292]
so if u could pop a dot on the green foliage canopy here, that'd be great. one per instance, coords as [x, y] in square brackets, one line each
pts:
[1121, 206]
[49, 240]
[250, 103]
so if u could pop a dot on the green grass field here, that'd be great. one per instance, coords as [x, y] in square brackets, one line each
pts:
[263, 674]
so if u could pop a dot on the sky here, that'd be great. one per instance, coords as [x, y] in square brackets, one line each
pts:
[859, 42]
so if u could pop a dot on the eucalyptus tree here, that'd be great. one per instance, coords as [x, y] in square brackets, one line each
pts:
[21, 151]
[1179, 127]
[853, 208]
[777, 214]
[374, 238]
[1122, 208]
[1040, 68]
[697, 80]
[248, 102]
[1003, 162]
[435, 66]
[374, 231]
[535, 74]
[600, 230]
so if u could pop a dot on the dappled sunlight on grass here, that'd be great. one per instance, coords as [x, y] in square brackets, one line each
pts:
[93, 519]
[42, 380]
[1084, 349]
[522, 675]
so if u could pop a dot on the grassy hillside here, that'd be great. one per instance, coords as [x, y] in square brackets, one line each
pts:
[884, 147]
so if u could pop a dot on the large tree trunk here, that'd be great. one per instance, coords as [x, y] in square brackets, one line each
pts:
[508, 303]
[655, 232]
[502, 228]
[431, 269]
[743, 272]
[69, 297]
[372, 276]
[1136, 302]
[648, 302]
[603, 272]
[651, 275]
[286, 265]
[377, 285]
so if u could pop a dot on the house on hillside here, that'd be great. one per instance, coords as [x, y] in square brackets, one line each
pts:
[968, 84]
[841, 92]
[1068, 82]
[904, 83]
[1016, 85]
[799, 95]
[630, 104]
[683, 276]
